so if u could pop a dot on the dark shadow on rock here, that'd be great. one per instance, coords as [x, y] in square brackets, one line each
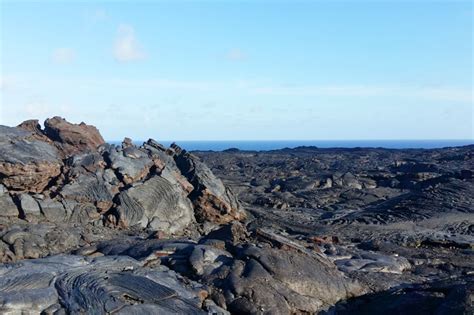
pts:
[444, 297]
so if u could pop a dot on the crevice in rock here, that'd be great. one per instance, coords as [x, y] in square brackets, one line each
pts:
[56, 182]
[17, 202]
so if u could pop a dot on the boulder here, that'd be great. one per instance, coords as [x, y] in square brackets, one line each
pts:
[7, 206]
[156, 204]
[212, 200]
[93, 167]
[38, 240]
[34, 127]
[166, 165]
[127, 142]
[82, 213]
[347, 180]
[26, 164]
[72, 138]
[373, 262]
[231, 233]
[205, 260]
[29, 205]
[53, 210]
[285, 282]
[130, 163]
[89, 188]
[89, 162]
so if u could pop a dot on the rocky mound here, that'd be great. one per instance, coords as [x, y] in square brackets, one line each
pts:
[94, 228]
[67, 173]
[88, 227]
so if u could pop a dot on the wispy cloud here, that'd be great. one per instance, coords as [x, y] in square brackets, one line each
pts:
[165, 84]
[127, 48]
[236, 55]
[441, 93]
[63, 55]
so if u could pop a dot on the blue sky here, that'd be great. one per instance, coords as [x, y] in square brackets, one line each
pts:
[228, 70]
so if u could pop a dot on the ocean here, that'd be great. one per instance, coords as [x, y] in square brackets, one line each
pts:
[265, 145]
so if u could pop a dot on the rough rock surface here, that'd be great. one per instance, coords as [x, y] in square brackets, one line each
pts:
[156, 204]
[96, 228]
[252, 277]
[66, 173]
[28, 205]
[280, 282]
[401, 222]
[102, 285]
[130, 163]
[26, 164]
[7, 206]
[214, 202]
[72, 138]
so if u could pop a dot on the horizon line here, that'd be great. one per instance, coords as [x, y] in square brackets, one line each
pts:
[278, 140]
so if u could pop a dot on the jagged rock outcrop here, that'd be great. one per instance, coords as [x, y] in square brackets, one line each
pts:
[90, 188]
[66, 173]
[72, 138]
[212, 200]
[165, 164]
[130, 163]
[34, 127]
[156, 204]
[26, 164]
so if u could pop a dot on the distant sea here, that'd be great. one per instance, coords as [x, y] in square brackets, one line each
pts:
[264, 145]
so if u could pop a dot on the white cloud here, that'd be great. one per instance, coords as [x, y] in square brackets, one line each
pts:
[236, 55]
[64, 55]
[127, 47]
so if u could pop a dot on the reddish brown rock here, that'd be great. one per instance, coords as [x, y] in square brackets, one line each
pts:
[31, 125]
[217, 209]
[72, 138]
[165, 164]
[34, 127]
[212, 200]
[26, 164]
[31, 177]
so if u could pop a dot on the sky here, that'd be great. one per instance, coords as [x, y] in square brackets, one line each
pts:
[242, 70]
